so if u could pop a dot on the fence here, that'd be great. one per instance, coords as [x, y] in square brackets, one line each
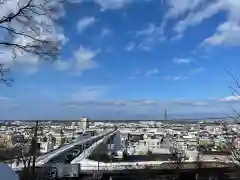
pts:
[76, 170]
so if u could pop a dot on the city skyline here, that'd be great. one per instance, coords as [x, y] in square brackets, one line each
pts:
[131, 59]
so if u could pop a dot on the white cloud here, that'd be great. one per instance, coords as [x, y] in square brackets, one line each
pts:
[179, 7]
[110, 103]
[131, 77]
[141, 103]
[176, 78]
[85, 23]
[195, 18]
[90, 93]
[197, 70]
[146, 38]
[176, 37]
[5, 98]
[182, 102]
[100, 102]
[76, 1]
[26, 62]
[112, 4]
[6, 56]
[152, 72]
[230, 99]
[146, 45]
[61, 65]
[106, 32]
[85, 59]
[149, 30]
[8, 101]
[227, 33]
[137, 73]
[182, 61]
[189, 74]
[130, 46]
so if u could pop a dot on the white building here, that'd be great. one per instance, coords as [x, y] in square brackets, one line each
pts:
[153, 145]
[84, 123]
[46, 147]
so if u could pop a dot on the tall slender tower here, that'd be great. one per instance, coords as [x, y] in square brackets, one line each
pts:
[165, 115]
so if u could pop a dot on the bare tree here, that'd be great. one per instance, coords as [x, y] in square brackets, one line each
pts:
[229, 143]
[177, 159]
[27, 172]
[27, 155]
[23, 158]
[198, 160]
[34, 149]
[235, 153]
[198, 165]
[29, 30]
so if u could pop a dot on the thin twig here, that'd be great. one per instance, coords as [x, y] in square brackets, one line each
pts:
[11, 16]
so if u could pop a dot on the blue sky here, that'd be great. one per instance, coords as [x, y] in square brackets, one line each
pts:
[132, 59]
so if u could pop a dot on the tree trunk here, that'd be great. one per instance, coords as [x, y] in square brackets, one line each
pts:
[34, 148]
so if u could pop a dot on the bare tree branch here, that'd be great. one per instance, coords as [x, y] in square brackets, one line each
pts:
[11, 16]
[236, 89]
[31, 30]
[177, 159]
[198, 161]
[3, 78]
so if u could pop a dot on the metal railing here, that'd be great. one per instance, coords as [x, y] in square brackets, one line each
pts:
[136, 166]
[95, 145]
